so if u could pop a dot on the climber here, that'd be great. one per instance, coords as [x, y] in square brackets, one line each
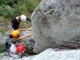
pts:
[9, 40]
[16, 21]
[17, 50]
[11, 43]
[16, 37]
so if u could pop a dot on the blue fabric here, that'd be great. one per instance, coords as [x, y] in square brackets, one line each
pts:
[8, 51]
[32, 40]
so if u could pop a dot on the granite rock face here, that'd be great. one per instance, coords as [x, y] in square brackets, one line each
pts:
[50, 54]
[56, 23]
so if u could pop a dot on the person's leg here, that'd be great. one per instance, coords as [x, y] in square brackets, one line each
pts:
[7, 48]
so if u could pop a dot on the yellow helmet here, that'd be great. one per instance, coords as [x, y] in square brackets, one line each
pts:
[15, 33]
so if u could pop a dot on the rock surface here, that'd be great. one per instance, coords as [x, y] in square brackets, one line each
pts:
[56, 23]
[51, 54]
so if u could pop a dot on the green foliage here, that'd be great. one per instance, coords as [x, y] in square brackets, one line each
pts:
[8, 11]
[9, 8]
[2, 48]
[8, 2]
[30, 5]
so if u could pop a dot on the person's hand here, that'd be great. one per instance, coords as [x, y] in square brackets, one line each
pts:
[23, 51]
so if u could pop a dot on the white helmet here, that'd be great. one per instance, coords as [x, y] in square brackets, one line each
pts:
[23, 18]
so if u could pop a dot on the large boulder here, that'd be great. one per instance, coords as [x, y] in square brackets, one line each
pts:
[56, 23]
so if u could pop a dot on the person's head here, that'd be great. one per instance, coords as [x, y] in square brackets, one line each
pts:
[20, 18]
[23, 18]
[15, 33]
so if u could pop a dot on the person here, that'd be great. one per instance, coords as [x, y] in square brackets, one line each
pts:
[9, 40]
[16, 21]
[14, 50]
[11, 43]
